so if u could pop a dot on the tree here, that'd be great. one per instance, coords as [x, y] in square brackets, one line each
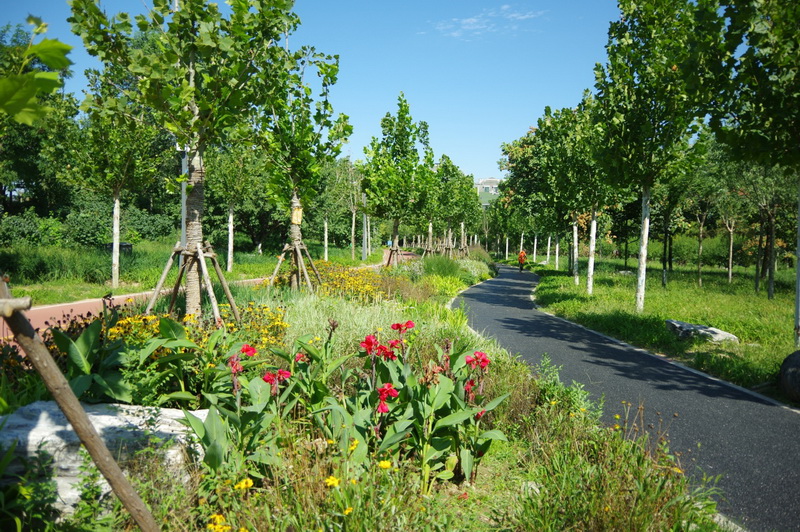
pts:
[758, 107]
[644, 111]
[235, 172]
[455, 201]
[201, 81]
[301, 136]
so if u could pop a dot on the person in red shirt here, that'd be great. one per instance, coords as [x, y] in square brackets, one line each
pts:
[521, 258]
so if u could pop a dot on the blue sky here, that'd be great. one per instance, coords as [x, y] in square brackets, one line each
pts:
[479, 72]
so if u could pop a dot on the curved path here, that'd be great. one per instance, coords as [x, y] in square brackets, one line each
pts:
[717, 429]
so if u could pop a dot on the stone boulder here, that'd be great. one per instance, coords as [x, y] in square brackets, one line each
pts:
[790, 376]
[41, 427]
[685, 331]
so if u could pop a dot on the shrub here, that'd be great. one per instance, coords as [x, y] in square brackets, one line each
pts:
[88, 228]
[441, 266]
[140, 224]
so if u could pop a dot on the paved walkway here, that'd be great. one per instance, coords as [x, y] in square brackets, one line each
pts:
[751, 442]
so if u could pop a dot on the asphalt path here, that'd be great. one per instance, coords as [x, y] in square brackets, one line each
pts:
[751, 442]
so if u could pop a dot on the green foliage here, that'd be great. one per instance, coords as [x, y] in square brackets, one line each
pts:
[93, 368]
[26, 500]
[21, 86]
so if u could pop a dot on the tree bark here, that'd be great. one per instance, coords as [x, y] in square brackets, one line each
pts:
[353, 235]
[641, 274]
[521, 240]
[592, 246]
[229, 266]
[115, 242]
[730, 226]
[575, 275]
[701, 222]
[535, 244]
[325, 238]
[771, 279]
[194, 229]
[506, 248]
[757, 279]
[548, 248]
[558, 252]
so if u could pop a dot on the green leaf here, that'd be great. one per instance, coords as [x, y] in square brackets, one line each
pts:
[467, 462]
[176, 396]
[215, 454]
[443, 391]
[80, 384]
[196, 424]
[115, 386]
[171, 329]
[52, 53]
[493, 434]
[494, 403]
[445, 475]
[149, 348]
[453, 419]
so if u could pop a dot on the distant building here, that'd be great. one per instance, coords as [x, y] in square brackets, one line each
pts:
[488, 190]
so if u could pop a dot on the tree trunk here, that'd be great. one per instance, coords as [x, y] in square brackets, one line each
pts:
[665, 251]
[701, 222]
[230, 239]
[535, 244]
[757, 279]
[325, 238]
[506, 248]
[548, 249]
[592, 246]
[353, 235]
[369, 235]
[771, 280]
[671, 241]
[521, 240]
[395, 244]
[115, 242]
[797, 277]
[641, 274]
[558, 252]
[195, 199]
[575, 275]
[730, 225]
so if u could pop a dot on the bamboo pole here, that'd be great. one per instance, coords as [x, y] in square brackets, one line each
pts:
[209, 288]
[57, 385]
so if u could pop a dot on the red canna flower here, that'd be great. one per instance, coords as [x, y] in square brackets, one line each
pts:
[235, 364]
[301, 357]
[386, 353]
[384, 392]
[479, 415]
[403, 327]
[370, 344]
[395, 344]
[480, 359]
[283, 375]
[270, 378]
[248, 350]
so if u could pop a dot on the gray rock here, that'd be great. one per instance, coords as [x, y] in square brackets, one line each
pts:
[790, 376]
[41, 427]
[684, 331]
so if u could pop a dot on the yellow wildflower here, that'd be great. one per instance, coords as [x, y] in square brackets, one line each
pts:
[332, 482]
[244, 484]
[353, 445]
[384, 464]
[330, 441]
[348, 511]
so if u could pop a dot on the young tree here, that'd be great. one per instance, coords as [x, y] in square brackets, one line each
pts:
[398, 173]
[644, 110]
[300, 136]
[201, 81]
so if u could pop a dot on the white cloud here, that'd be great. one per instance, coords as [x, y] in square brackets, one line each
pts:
[501, 20]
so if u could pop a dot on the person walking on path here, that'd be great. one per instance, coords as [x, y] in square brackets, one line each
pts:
[521, 258]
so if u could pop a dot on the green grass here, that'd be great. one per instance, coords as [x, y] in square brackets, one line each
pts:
[764, 327]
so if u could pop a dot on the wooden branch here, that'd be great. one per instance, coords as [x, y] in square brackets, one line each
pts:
[9, 306]
[177, 249]
[209, 287]
[224, 283]
[57, 385]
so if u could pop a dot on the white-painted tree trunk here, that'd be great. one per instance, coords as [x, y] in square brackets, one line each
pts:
[558, 251]
[506, 248]
[535, 244]
[521, 241]
[641, 274]
[115, 242]
[549, 238]
[575, 275]
[230, 239]
[592, 246]
[325, 238]
[369, 236]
